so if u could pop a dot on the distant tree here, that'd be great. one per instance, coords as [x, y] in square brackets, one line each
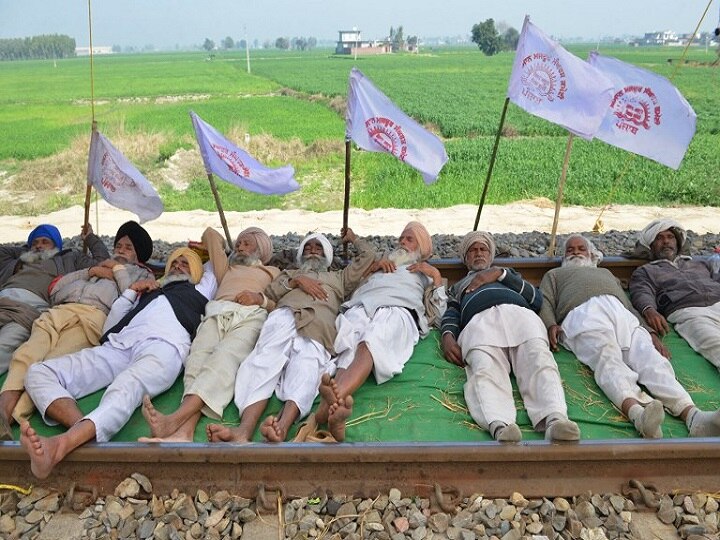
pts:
[312, 43]
[116, 48]
[228, 43]
[510, 39]
[242, 44]
[148, 47]
[397, 40]
[267, 44]
[45, 46]
[486, 37]
[282, 43]
[209, 44]
[299, 43]
[412, 41]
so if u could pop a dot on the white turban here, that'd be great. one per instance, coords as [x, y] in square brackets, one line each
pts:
[655, 227]
[327, 248]
[596, 255]
[477, 236]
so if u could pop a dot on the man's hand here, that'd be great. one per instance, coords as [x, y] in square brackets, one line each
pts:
[85, 231]
[108, 263]
[310, 286]
[101, 271]
[483, 277]
[249, 298]
[347, 235]
[383, 265]
[660, 346]
[554, 333]
[656, 321]
[429, 270]
[451, 350]
[145, 285]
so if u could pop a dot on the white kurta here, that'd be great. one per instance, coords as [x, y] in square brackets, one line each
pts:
[283, 362]
[145, 357]
[700, 327]
[609, 339]
[504, 338]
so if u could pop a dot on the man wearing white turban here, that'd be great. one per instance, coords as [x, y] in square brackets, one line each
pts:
[678, 289]
[295, 346]
[491, 328]
[381, 323]
[226, 336]
[587, 311]
[147, 338]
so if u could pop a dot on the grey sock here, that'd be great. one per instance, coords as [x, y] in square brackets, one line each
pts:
[561, 429]
[503, 432]
[648, 419]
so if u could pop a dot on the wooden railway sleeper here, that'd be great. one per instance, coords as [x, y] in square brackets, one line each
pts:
[439, 496]
[641, 494]
[262, 505]
[80, 497]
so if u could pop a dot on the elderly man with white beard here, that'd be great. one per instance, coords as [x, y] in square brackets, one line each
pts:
[295, 346]
[381, 324]
[587, 311]
[491, 328]
[147, 338]
[226, 336]
[26, 274]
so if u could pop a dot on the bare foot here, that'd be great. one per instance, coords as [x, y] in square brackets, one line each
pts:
[339, 413]
[220, 433]
[328, 397]
[42, 451]
[272, 430]
[160, 425]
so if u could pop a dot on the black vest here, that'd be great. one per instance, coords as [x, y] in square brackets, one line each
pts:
[187, 304]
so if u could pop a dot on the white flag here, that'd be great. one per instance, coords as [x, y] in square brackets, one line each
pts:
[551, 83]
[647, 114]
[119, 182]
[377, 125]
[236, 166]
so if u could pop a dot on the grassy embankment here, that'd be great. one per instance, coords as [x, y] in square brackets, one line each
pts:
[292, 106]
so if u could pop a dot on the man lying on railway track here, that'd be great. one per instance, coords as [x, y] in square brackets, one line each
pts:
[147, 339]
[587, 311]
[491, 328]
[295, 346]
[226, 336]
[381, 323]
[678, 289]
[81, 301]
[26, 273]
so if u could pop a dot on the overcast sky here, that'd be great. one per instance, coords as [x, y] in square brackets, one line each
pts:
[167, 23]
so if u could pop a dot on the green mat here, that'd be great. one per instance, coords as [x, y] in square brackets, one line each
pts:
[425, 403]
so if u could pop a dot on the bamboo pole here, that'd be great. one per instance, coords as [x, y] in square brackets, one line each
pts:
[558, 202]
[346, 198]
[215, 193]
[492, 163]
[88, 189]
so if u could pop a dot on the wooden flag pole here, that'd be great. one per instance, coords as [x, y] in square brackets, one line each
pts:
[213, 187]
[558, 202]
[346, 199]
[492, 163]
[88, 189]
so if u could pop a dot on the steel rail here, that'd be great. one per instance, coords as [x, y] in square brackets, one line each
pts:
[533, 468]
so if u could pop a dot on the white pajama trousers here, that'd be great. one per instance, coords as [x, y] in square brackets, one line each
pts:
[283, 362]
[488, 391]
[608, 339]
[148, 367]
[390, 335]
[700, 327]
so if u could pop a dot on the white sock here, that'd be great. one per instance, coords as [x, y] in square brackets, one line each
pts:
[648, 420]
[503, 432]
[703, 423]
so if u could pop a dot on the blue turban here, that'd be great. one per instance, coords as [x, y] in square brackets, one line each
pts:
[46, 231]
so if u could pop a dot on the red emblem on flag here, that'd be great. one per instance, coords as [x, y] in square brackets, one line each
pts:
[543, 78]
[388, 135]
[636, 107]
[232, 160]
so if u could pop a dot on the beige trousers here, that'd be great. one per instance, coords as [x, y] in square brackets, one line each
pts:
[64, 329]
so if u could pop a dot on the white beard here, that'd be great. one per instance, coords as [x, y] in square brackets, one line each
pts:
[172, 278]
[402, 257]
[236, 259]
[31, 257]
[314, 263]
[577, 261]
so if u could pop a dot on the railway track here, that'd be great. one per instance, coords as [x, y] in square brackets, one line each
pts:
[533, 468]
